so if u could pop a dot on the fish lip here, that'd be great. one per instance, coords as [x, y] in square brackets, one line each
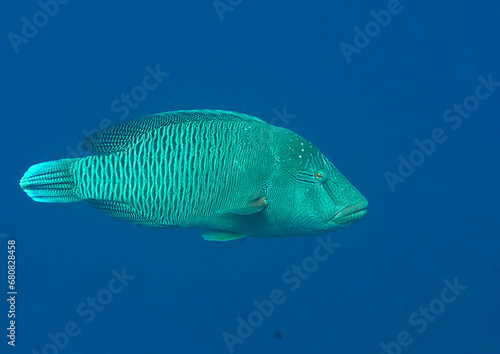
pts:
[353, 216]
[352, 212]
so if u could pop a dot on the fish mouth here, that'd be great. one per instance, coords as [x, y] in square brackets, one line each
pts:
[351, 213]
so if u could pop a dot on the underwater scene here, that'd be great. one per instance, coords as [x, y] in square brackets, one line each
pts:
[232, 176]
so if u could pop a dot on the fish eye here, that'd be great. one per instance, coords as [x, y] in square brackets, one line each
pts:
[311, 177]
[318, 176]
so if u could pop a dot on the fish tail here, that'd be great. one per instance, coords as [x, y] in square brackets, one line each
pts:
[50, 182]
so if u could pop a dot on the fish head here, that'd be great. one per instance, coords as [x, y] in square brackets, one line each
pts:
[307, 194]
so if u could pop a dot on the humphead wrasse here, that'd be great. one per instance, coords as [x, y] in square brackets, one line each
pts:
[229, 173]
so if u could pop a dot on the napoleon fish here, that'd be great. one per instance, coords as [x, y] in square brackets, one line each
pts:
[229, 173]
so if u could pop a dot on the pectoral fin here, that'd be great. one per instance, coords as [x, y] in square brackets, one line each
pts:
[253, 207]
[213, 235]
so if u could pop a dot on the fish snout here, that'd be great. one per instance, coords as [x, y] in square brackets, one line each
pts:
[351, 213]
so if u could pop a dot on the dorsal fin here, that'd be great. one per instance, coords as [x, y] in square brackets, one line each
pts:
[119, 137]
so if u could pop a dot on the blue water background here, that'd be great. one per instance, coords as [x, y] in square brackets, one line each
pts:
[441, 224]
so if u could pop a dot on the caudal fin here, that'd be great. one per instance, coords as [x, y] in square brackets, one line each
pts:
[50, 182]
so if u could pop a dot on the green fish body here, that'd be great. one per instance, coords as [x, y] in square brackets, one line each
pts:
[230, 173]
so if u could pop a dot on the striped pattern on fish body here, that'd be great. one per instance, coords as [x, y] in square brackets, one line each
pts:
[227, 172]
[180, 174]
